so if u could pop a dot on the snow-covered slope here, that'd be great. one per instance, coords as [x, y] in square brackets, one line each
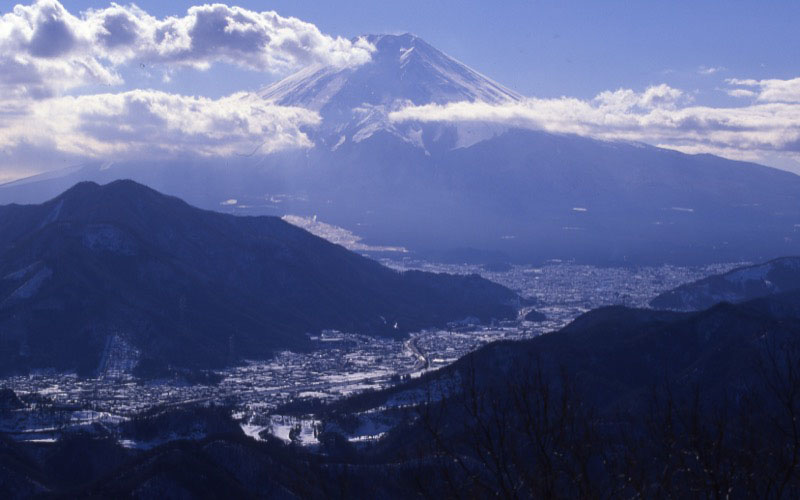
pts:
[738, 285]
[404, 70]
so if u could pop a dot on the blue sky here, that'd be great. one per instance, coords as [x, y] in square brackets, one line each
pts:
[553, 48]
[160, 79]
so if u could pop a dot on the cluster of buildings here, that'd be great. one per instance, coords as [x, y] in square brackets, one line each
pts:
[343, 363]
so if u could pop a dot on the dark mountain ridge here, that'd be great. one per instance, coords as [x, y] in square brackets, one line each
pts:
[616, 356]
[737, 285]
[195, 288]
[609, 410]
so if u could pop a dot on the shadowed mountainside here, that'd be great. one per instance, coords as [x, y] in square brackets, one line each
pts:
[620, 403]
[194, 288]
[737, 285]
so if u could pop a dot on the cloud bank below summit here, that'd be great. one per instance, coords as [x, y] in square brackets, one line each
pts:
[152, 122]
[765, 130]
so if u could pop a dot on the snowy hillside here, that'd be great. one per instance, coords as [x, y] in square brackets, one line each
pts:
[404, 70]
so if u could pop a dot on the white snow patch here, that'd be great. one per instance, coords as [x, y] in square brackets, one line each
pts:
[30, 287]
[414, 137]
[254, 431]
[337, 235]
[312, 394]
[367, 438]
[53, 215]
[18, 275]
[404, 53]
[281, 425]
[471, 133]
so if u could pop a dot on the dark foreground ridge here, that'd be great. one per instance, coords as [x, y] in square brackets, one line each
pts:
[621, 403]
[194, 288]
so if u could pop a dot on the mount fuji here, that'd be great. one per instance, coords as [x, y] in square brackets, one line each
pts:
[473, 190]
[405, 70]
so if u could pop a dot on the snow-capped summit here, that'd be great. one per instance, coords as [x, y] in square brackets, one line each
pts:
[403, 68]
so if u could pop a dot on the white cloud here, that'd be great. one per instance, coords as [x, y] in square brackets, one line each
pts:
[772, 90]
[46, 52]
[41, 53]
[263, 41]
[740, 93]
[45, 49]
[653, 97]
[660, 116]
[710, 70]
[152, 124]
